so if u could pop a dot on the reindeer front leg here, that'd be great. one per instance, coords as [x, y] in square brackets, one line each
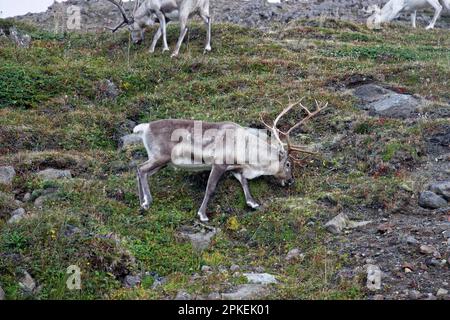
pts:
[413, 18]
[183, 31]
[216, 172]
[438, 9]
[145, 170]
[155, 39]
[248, 197]
[163, 26]
[207, 19]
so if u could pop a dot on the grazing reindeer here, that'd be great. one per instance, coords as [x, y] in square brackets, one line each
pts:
[392, 9]
[164, 11]
[218, 147]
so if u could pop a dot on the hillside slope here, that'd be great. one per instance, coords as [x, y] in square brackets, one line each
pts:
[66, 102]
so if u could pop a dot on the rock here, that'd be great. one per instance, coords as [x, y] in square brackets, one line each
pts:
[159, 281]
[17, 215]
[21, 39]
[426, 249]
[213, 296]
[206, 269]
[414, 294]
[2, 294]
[373, 277]
[294, 255]
[411, 240]
[54, 174]
[7, 174]
[27, 197]
[183, 295]
[130, 140]
[131, 281]
[200, 240]
[260, 278]
[431, 200]
[441, 292]
[446, 234]
[378, 297]
[27, 283]
[387, 103]
[246, 292]
[106, 89]
[235, 268]
[39, 202]
[259, 269]
[337, 224]
[442, 188]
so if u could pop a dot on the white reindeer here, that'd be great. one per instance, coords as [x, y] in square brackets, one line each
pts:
[164, 12]
[392, 9]
[217, 147]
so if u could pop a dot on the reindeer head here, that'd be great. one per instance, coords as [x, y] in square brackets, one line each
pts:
[136, 25]
[287, 150]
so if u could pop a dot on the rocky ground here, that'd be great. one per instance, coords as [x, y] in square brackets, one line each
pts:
[369, 219]
[96, 14]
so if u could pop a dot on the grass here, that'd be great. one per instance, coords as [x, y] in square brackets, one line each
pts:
[53, 115]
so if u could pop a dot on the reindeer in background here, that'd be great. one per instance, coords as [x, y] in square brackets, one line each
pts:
[164, 12]
[393, 8]
[218, 147]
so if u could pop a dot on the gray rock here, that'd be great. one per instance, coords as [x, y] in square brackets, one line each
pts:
[131, 281]
[426, 249]
[17, 215]
[411, 240]
[442, 188]
[27, 283]
[414, 294]
[200, 240]
[387, 103]
[247, 292]
[373, 277]
[27, 197]
[53, 174]
[337, 224]
[293, 255]
[7, 174]
[183, 295]
[107, 89]
[130, 140]
[259, 269]
[442, 292]
[214, 296]
[260, 278]
[206, 269]
[235, 268]
[431, 200]
[2, 294]
[21, 39]
[39, 202]
[446, 234]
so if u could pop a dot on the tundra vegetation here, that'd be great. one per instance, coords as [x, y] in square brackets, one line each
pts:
[55, 112]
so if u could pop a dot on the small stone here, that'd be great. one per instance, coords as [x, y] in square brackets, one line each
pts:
[17, 215]
[373, 277]
[223, 269]
[259, 269]
[206, 269]
[39, 202]
[183, 295]
[7, 174]
[54, 174]
[411, 240]
[384, 228]
[337, 224]
[293, 255]
[27, 197]
[235, 268]
[131, 281]
[200, 240]
[446, 234]
[214, 296]
[246, 292]
[431, 200]
[442, 189]
[260, 278]
[2, 294]
[27, 283]
[414, 294]
[378, 297]
[426, 249]
[441, 292]
[408, 270]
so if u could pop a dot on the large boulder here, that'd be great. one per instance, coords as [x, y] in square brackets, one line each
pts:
[442, 188]
[54, 174]
[431, 200]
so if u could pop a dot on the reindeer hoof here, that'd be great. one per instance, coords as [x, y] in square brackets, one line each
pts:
[429, 27]
[253, 205]
[174, 55]
[203, 217]
[207, 49]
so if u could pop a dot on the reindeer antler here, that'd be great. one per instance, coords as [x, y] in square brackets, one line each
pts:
[126, 20]
[276, 132]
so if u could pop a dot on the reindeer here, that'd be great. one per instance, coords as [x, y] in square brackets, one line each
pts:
[392, 9]
[219, 147]
[164, 11]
